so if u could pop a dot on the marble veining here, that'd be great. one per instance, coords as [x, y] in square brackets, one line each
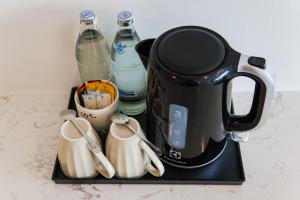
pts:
[277, 105]
[4, 99]
[147, 196]
[28, 147]
[1, 146]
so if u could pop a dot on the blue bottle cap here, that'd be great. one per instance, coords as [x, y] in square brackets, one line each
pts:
[87, 16]
[125, 18]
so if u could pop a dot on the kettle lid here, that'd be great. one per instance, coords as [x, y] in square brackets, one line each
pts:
[190, 50]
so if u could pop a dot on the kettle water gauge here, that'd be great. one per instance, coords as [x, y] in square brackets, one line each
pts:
[177, 126]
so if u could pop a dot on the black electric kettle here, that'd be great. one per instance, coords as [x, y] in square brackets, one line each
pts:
[189, 94]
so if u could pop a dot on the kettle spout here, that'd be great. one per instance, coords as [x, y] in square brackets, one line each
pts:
[143, 49]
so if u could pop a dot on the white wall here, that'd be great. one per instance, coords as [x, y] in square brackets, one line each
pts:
[37, 37]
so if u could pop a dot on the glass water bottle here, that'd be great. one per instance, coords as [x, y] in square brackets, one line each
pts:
[129, 72]
[92, 51]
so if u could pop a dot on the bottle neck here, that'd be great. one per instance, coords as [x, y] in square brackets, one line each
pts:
[126, 30]
[88, 26]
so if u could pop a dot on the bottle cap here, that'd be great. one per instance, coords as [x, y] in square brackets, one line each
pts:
[87, 16]
[125, 18]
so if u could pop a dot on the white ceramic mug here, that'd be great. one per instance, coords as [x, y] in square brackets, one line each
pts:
[99, 118]
[130, 156]
[75, 157]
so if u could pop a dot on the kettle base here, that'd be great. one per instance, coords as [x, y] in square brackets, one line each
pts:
[214, 150]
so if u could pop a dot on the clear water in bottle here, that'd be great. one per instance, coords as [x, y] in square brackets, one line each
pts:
[92, 51]
[129, 72]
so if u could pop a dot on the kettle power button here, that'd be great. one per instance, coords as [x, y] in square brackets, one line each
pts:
[257, 62]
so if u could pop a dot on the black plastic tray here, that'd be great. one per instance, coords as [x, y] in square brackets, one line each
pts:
[225, 170]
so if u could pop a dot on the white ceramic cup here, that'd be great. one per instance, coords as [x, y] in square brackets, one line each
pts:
[99, 118]
[75, 157]
[131, 156]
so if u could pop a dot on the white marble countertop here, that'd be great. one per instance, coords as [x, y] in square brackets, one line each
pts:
[28, 142]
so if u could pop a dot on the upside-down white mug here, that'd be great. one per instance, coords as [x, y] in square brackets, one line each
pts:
[74, 155]
[131, 156]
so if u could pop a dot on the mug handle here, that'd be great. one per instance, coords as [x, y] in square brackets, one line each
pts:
[159, 169]
[254, 68]
[104, 166]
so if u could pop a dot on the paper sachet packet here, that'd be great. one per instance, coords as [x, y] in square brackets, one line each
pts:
[103, 100]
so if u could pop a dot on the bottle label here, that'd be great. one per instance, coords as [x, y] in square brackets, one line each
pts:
[126, 93]
[120, 48]
[130, 95]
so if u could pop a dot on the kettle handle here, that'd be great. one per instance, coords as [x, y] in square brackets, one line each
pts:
[254, 68]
